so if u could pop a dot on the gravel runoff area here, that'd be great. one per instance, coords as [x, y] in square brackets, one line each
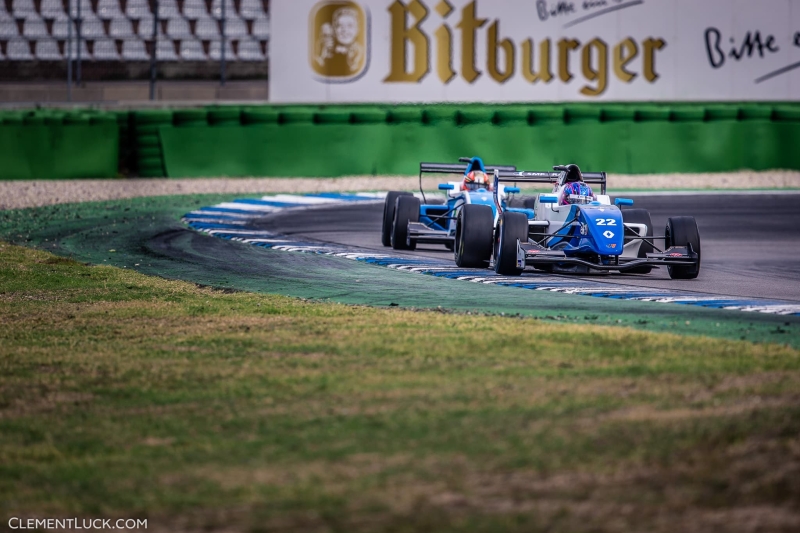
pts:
[19, 194]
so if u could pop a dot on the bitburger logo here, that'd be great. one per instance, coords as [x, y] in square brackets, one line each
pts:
[339, 40]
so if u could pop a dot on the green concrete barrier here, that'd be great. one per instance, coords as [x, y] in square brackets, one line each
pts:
[56, 144]
[304, 140]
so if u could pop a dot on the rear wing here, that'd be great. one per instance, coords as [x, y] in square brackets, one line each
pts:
[459, 168]
[532, 176]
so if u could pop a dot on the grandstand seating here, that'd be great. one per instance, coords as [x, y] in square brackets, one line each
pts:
[120, 30]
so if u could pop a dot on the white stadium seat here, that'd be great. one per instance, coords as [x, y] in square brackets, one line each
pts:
[216, 8]
[85, 5]
[261, 28]
[23, 9]
[250, 50]
[120, 28]
[47, 50]
[61, 29]
[108, 9]
[215, 52]
[137, 9]
[105, 50]
[85, 55]
[251, 9]
[93, 27]
[34, 28]
[194, 9]
[146, 27]
[134, 50]
[18, 50]
[207, 28]
[165, 51]
[8, 29]
[53, 9]
[168, 9]
[192, 50]
[178, 28]
[235, 27]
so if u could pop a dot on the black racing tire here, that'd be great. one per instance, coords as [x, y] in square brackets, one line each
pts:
[406, 210]
[474, 232]
[640, 216]
[388, 215]
[511, 227]
[682, 231]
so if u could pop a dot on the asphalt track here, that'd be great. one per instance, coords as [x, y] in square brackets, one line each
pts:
[750, 242]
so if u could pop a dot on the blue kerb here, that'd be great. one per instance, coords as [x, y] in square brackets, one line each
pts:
[203, 216]
[343, 197]
[268, 203]
[223, 210]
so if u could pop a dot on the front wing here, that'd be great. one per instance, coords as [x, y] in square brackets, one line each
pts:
[529, 254]
[417, 231]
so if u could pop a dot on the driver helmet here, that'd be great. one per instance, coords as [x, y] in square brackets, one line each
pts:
[573, 174]
[576, 191]
[476, 179]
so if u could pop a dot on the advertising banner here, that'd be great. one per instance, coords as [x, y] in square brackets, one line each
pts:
[327, 51]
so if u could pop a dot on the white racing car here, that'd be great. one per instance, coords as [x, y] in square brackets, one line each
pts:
[585, 235]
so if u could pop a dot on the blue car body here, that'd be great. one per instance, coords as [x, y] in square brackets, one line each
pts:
[600, 231]
[441, 218]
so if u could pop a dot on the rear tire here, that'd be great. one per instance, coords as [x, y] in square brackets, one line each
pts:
[474, 232]
[406, 210]
[682, 231]
[511, 227]
[388, 215]
[640, 216]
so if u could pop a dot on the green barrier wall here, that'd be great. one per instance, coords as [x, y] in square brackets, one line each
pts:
[50, 144]
[372, 139]
[368, 140]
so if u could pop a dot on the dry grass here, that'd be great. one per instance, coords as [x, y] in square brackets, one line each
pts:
[123, 395]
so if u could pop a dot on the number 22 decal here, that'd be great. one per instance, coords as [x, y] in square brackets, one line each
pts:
[605, 222]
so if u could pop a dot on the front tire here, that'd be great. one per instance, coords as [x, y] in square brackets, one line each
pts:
[474, 229]
[512, 227]
[682, 231]
[389, 204]
[406, 210]
[640, 216]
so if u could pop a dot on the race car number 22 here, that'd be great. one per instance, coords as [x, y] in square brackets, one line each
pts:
[605, 222]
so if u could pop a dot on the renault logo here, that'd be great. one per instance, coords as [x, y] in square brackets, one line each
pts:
[608, 234]
[338, 32]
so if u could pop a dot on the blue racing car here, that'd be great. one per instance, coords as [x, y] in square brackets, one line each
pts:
[579, 233]
[408, 222]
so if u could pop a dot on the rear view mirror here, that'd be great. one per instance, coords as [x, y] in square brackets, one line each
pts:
[548, 199]
[446, 187]
[511, 190]
[623, 201]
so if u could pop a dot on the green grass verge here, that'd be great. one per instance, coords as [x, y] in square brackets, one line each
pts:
[123, 395]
